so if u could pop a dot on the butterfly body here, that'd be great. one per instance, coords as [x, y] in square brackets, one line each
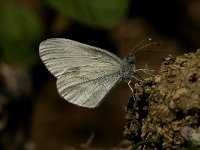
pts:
[128, 68]
[85, 74]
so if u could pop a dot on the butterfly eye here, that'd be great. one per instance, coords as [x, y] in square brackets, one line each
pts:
[131, 59]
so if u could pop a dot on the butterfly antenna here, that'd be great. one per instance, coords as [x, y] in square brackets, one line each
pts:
[145, 43]
[141, 43]
[149, 44]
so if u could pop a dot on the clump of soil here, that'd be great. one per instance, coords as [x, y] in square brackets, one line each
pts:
[165, 110]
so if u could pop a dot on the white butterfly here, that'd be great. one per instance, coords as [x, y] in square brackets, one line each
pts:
[85, 74]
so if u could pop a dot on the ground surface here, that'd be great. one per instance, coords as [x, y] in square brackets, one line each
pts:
[166, 108]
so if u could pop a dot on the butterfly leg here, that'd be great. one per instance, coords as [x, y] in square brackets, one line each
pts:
[137, 79]
[145, 71]
[129, 84]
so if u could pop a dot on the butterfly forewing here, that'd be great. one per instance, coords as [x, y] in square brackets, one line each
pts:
[85, 74]
[61, 54]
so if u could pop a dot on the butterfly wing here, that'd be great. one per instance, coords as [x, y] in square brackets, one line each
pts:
[60, 54]
[87, 91]
[84, 73]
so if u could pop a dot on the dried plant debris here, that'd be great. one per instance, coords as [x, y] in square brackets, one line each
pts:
[165, 111]
[123, 145]
[191, 135]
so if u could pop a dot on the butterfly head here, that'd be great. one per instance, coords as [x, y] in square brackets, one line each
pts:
[131, 59]
[128, 65]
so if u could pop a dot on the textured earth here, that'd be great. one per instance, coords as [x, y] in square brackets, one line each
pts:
[165, 110]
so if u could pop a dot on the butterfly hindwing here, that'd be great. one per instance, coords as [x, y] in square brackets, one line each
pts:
[87, 91]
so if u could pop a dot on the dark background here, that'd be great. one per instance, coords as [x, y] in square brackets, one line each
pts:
[32, 114]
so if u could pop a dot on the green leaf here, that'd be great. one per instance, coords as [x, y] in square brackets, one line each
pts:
[20, 30]
[93, 13]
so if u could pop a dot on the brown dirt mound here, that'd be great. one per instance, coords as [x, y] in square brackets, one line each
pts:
[165, 111]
